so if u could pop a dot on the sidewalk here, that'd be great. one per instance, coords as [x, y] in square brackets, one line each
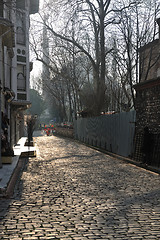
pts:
[8, 171]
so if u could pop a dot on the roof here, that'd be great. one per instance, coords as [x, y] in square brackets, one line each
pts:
[149, 45]
[147, 84]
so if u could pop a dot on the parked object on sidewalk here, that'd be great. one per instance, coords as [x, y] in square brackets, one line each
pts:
[6, 149]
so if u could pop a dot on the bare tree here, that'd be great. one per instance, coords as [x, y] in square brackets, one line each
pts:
[91, 21]
[136, 28]
[86, 30]
[63, 69]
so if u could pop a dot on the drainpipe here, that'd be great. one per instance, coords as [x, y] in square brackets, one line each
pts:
[0, 95]
[0, 129]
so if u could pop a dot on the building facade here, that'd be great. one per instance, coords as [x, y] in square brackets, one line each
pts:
[14, 66]
[148, 99]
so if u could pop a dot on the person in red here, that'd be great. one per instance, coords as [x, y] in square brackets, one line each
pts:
[48, 131]
[52, 129]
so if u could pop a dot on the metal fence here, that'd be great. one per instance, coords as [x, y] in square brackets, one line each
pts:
[114, 133]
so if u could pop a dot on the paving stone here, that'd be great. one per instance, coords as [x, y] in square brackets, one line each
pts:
[72, 192]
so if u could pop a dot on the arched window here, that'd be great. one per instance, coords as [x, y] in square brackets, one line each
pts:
[20, 35]
[21, 82]
[21, 77]
[20, 28]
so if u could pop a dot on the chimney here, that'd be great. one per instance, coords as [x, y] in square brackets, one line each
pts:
[158, 22]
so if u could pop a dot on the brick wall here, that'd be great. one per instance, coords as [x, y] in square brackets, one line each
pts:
[65, 132]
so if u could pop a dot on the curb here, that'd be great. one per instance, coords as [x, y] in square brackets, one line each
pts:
[16, 173]
[8, 190]
[124, 159]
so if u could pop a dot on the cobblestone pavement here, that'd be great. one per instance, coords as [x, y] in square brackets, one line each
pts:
[72, 192]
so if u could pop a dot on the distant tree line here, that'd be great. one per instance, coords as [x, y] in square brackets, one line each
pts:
[37, 103]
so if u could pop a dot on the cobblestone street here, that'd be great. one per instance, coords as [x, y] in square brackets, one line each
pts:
[72, 192]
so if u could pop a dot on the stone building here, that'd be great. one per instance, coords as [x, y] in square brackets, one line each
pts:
[148, 98]
[14, 63]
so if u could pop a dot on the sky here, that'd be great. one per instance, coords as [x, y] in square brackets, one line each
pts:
[41, 2]
[37, 66]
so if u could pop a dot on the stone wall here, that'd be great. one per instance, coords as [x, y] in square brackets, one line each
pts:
[64, 132]
[148, 105]
[148, 114]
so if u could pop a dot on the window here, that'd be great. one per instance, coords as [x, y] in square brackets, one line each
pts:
[21, 96]
[21, 77]
[20, 4]
[20, 28]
